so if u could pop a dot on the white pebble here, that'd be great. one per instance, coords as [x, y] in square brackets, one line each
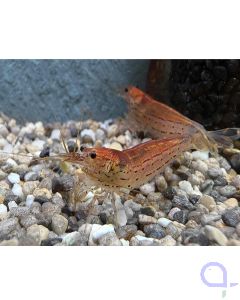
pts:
[14, 178]
[11, 162]
[29, 200]
[102, 231]
[147, 188]
[3, 211]
[121, 217]
[203, 155]
[95, 227]
[38, 144]
[164, 222]
[17, 190]
[56, 135]
[141, 238]
[186, 186]
[124, 242]
[12, 204]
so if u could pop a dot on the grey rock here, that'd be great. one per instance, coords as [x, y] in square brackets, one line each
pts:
[181, 216]
[74, 239]
[209, 218]
[109, 239]
[227, 191]
[224, 163]
[8, 225]
[169, 193]
[149, 211]
[62, 184]
[30, 176]
[51, 241]
[196, 216]
[173, 231]
[193, 236]
[206, 186]
[220, 181]
[167, 241]
[182, 202]
[19, 211]
[49, 209]
[28, 220]
[231, 217]
[155, 231]
[214, 172]
[59, 224]
[216, 195]
[126, 232]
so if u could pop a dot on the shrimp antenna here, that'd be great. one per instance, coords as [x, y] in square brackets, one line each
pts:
[78, 138]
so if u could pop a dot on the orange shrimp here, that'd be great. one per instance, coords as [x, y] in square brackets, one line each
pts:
[162, 121]
[114, 170]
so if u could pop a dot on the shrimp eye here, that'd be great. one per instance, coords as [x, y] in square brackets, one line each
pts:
[126, 90]
[93, 154]
[82, 148]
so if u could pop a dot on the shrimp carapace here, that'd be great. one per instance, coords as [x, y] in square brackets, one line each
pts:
[113, 170]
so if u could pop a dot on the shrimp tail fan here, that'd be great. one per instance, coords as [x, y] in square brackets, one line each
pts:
[225, 137]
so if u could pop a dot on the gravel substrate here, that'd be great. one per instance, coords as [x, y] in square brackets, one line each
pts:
[194, 202]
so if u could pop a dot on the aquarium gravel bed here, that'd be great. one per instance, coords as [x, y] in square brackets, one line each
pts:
[195, 201]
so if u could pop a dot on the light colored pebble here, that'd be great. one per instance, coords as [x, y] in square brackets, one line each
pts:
[101, 231]
[112, 130]
[200, 166]
[133, 205]
[92, 229]
[12, 242]
[3, 211]
[120, 216]
[56, 135]
[231, 202]
[29, 186]
[10, 162]
[71, 238]
[236, 181]
[186, 186]
[124, 242]
[38, 233]
[14, 178]
[216, 235]
[147, 188]
[17, 190]
[30, 176]
[167, 241]
[202, 155]
[100, 134]
[208, 202]
[164, 222]
[59, 224]
[42, 192]
[116, 146]
[12, 204]
[161, 183]
[144, 219]
[29, 200]
[3, 131]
